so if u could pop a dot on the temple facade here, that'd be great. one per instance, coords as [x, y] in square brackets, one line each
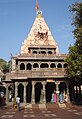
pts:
[39, 69]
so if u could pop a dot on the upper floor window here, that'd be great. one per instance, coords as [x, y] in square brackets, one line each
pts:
[59, 66]
[44, 65]
[34, 52]
[28, 66]
[49, 52]
[35, 65]
[43, 52]
[65, 65]
[22, 66]
[52, 65]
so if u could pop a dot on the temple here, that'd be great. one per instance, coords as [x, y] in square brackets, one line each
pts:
[39, 69]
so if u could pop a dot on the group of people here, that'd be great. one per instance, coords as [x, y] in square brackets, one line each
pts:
[16, 103]
[63, 97]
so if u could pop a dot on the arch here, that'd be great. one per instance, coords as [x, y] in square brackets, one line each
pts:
[11, 92]
[63, 87]
[59, 65]
[52, 65]
[21, 92]
[10, 87]
[35, 65]
[43, 52]
[50, 87]
[34, 52]
[28, 66]
[65, 65]
[22, 66]
[28, 92]
[38, 87]
[44, 65]
[50, 52]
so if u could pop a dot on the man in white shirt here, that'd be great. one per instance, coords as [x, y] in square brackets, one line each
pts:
[18, 103]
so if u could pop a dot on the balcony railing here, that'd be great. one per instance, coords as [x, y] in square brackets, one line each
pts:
[37, 73]
[41, 56]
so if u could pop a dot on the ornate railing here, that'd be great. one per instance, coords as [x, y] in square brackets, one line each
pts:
[37, 73]
[38, 56]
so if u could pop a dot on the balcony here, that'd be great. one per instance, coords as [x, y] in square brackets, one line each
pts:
[37, 73]
[41, 56]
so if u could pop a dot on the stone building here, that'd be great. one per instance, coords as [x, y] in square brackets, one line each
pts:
[39, 69]
[2, 87]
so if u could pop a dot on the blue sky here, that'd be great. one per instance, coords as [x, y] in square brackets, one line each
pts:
[17, 17]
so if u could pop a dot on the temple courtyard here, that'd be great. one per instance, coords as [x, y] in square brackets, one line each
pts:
[42, 111]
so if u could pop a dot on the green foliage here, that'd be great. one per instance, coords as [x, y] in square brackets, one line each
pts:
[4, 66]
[74, 59]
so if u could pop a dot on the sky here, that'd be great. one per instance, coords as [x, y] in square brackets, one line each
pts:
[17, 17]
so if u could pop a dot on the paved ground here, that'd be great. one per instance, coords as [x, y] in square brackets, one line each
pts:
[42, 111]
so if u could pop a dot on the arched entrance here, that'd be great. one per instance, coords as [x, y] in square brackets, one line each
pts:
[28, 92]
[38, 87]
[10, 91]
[21, 91]
[50, 87]
[62, 87]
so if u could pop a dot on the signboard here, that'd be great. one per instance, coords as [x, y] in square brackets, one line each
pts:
[50, 80]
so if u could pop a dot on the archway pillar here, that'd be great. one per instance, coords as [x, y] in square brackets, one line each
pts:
[25, 84]
[33, 92]
[57, 90]
[16, 89]
[67, 85]
[7, 93]
[43, 93]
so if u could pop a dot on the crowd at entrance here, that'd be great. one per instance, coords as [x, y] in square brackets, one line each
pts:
[63, 97]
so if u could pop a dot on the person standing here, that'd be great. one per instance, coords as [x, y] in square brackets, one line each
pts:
[18, 103]
[52, 99]
[55, 97]
[14, 102]
[66, 98]
[61, 97]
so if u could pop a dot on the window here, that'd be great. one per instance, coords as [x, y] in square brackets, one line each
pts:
[59, 66]
[22, 66]
[29, 66]
[65, 65]
[49, 52]
[34, 52]
[35, 65]
[44, 65]
[52, 65]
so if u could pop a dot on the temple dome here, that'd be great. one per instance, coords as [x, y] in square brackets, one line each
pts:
[39, 36]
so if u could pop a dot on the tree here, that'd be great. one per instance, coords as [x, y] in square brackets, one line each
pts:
[4, 66]
[74, 59]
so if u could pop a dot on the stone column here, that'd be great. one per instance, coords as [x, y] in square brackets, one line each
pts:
[7, 93]
[67, 84]
[33, 92]
[44, 92]
[25, 83]
[57, 90]
[16, 89]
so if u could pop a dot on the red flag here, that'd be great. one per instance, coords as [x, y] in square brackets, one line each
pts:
[37, 7]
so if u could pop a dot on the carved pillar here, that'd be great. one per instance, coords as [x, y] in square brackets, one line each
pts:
[67, 85]
[33, 92]
[16, 89]
[43, 92]
[25, 83]
[7, 93]
[57, 90]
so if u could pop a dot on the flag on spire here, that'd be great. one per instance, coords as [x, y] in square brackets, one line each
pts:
[37, 7]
